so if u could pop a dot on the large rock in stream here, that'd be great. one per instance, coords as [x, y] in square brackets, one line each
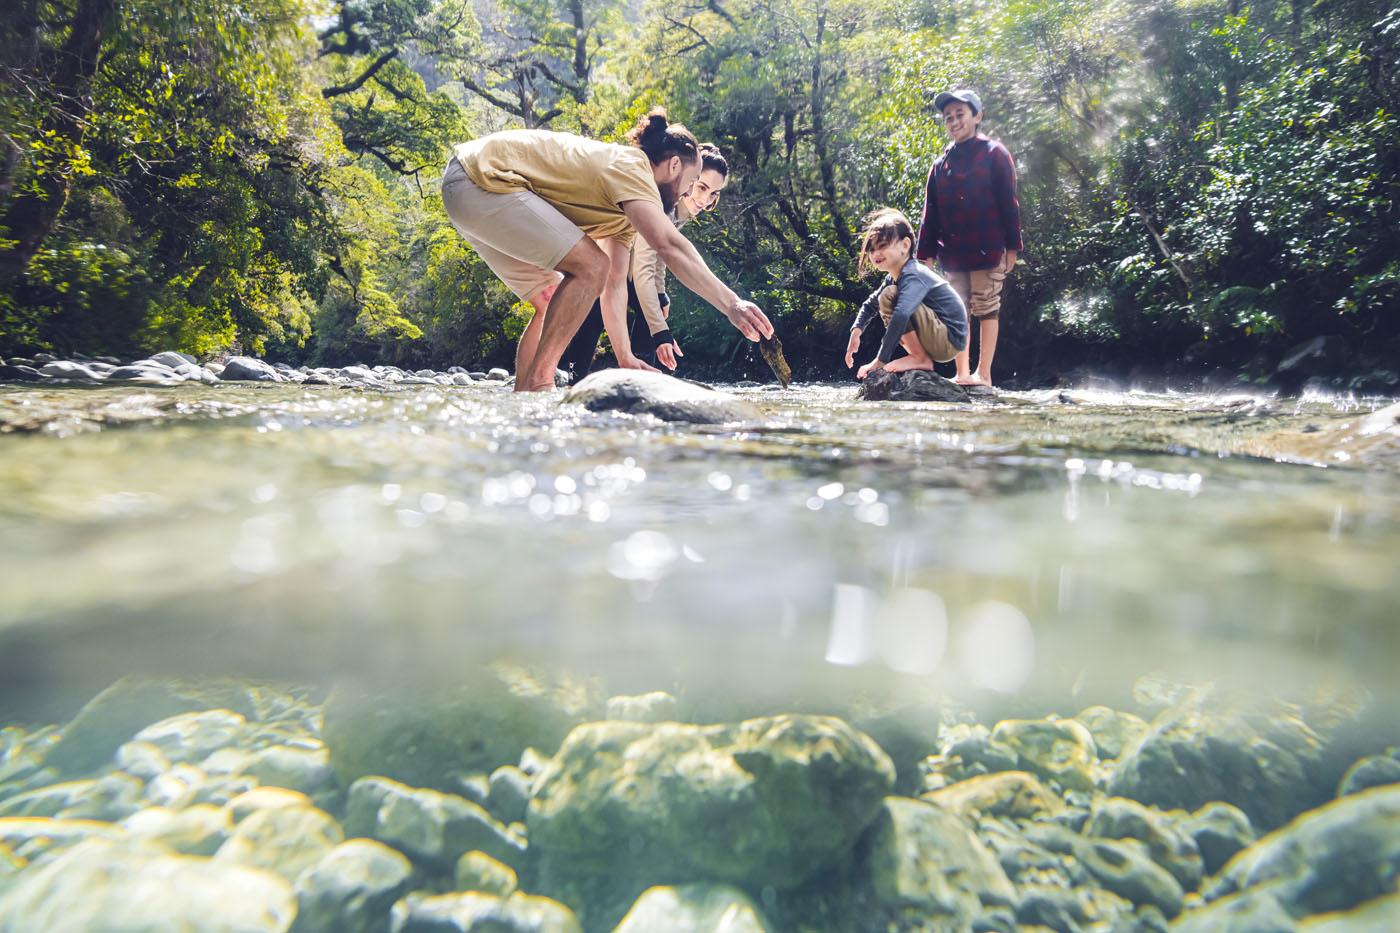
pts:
[640, 392]
[913, 386]
[762, 802]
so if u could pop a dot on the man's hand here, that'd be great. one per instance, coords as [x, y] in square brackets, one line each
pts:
[751, 321]
[852, 346]
[633, 362]
[873, 366]
[666, 354]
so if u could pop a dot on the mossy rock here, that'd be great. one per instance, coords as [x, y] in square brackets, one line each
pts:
[433, 736]
[132, 703]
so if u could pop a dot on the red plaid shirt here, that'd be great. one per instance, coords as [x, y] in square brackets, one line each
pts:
[971, 216]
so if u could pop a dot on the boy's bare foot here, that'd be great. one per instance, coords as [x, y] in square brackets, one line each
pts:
[972, 380]
[905, 363]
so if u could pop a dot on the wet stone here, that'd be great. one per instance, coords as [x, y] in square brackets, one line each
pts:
[1220, 831]
[913, 386]
[93, 883]
[191, 737]
[285, 841]
[1333, 858]
[305, 770]
[258, 799]
[1007, 793]
[63, 369]
[1111, 729]
[430, 826]
[656, 706]
[1374, 771]
[639, 392]
[351, 889]
[244, 368]
[765, 801]
[477, 871]
[482, 913]
[922, 856]
[1168, 844]
[197, 830]
[509, 793]
[1057, 750]
[695, 907]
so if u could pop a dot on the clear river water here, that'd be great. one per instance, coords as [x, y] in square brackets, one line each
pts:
[1037, 552]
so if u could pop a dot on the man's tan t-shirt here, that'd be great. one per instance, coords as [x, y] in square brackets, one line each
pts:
[583, 179]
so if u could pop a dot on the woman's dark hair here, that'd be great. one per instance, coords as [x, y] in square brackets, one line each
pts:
[661, 140]
[712, 158]
[882, 227]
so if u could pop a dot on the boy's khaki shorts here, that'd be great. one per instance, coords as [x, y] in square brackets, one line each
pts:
[519, 235]
[980, 289]
[928, 327]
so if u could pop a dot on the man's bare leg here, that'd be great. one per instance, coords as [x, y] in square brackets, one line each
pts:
[585, 269]
[918, 357]
[530, 337]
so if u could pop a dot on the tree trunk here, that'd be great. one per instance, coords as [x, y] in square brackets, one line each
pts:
[31, 215]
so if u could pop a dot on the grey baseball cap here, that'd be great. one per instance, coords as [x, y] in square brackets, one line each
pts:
[968, 97]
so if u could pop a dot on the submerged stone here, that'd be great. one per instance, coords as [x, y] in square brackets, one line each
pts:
[1168, 844]
[1060, 750]
[694, 907]
[641, 392]
[1333, 858]
[477, 871]
[433, 827]
[101, 885]
[922, 856]
[286, 841]
[482, 913]
[351, 889]
[1016, 794]
[765, 801]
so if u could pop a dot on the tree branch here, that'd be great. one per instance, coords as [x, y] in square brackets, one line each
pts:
[365, 75]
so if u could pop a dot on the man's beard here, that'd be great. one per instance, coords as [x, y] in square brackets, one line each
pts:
[670, 193]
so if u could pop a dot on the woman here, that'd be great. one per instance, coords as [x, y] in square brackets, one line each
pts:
[649, 333]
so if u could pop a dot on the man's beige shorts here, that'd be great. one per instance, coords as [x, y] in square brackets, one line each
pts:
[519, 235]
[929, 327]
[980, 289]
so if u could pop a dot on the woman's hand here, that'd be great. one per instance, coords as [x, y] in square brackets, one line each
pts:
[666, 354]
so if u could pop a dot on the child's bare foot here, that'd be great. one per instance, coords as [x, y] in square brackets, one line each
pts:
[972, 380]
[905, 363]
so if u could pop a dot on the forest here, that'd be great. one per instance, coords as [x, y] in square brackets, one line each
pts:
[1203, 183]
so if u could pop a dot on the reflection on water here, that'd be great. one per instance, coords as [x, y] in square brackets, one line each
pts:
[1042, 543]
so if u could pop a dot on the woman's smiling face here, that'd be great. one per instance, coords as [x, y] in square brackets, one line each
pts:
[704, 194]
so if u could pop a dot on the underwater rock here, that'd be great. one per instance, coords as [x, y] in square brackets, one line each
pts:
[32, 836]
[765, 801]
[109, 798]
[917, 385]
[264, 798]
[429, 737]
[351, 889]
[1167, 843]
[191, 737]
[924, 857]
[1333, 858]
[477, 871]
[1016, 794]
[640, 392]
[1060, 750]
[1372, 771]
[482, 913]
[116, 714]
[430, 826]
[92, 885]
[1122, 868]
[656, 706]
[304, 769]
[1379, 916]
[509, 793]
[197, 830]
[1267, 763]
[694, 907]
[1111, 729]
[1371, 441]
[285, 841]
[1220, 831]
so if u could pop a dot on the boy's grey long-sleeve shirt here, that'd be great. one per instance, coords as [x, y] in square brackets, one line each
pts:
[917, 284]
